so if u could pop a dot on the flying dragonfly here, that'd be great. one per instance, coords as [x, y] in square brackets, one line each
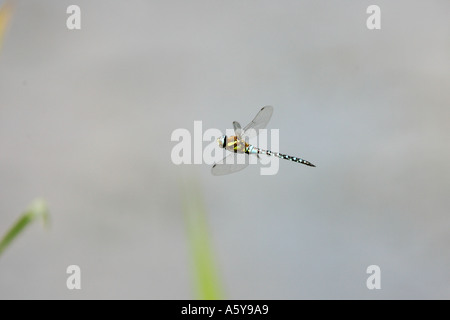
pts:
[238, 144]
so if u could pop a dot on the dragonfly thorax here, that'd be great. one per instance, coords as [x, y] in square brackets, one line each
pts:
[236, 145]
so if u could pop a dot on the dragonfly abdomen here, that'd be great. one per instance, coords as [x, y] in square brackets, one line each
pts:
[283, 156]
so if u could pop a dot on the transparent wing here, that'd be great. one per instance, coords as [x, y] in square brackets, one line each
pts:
[260, 122]
[237, 129]
[228, 165]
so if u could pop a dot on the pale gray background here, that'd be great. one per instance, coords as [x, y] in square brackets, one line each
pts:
[86, 118]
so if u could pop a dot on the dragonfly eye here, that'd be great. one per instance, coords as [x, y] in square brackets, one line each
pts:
[221, 141]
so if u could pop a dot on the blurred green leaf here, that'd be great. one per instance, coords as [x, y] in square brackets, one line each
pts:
[37, 211]
[205, 273]
[5, 15]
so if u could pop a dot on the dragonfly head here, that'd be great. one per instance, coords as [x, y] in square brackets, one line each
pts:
[222, 141]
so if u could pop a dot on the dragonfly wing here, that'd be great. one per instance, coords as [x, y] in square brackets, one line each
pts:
[228, 165]
[237, 129]
[260, 122]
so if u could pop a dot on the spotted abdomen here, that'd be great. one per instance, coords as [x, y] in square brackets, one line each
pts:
[284, 156]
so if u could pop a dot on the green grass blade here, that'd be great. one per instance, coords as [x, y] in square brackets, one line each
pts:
[205, 273]
[37, 211]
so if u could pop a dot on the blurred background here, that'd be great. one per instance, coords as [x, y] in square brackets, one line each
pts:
[86, 118]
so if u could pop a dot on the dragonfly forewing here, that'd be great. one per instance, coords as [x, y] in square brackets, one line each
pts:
[259, 122]
[237, 129]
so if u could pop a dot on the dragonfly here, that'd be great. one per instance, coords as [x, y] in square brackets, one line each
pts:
[238, 144]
